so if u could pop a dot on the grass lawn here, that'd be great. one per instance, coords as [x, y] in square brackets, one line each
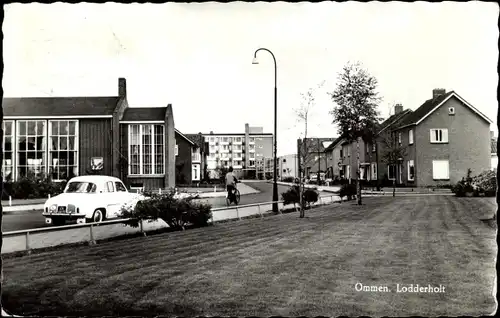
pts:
[279, 265]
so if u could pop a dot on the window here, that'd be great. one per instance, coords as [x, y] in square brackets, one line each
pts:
[411, 171]
[146, 149]
[251, 163]
[373, 170]
[391, 172]
[440, 170]
[212, 139]
[8, 150]
[251, 139]
[31, 147]
[348, 172]
[340, 153]
[284, 160]
[410, 136]
[374, 147]
[399, 138]
[81, 187]
[110, 187]
[120, 187]
[63, 149]
[439, 135]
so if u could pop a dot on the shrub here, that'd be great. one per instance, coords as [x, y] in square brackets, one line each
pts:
[347, 190]
[176, 212]
[288, 179]
[292, 196]
[463, 186]
[485, 183]
[32, 187]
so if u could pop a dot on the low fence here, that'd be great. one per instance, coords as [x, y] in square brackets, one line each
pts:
[23, 240]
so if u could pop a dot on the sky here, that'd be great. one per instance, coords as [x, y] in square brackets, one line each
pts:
[198, 57]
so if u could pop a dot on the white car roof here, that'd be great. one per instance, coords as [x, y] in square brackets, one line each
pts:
[95, 178]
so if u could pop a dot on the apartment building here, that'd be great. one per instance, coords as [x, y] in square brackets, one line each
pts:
[241, 151]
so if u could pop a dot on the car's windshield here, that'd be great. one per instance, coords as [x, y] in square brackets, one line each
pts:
[80, 187]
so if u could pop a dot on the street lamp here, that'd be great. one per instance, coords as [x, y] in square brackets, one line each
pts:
[275, 184]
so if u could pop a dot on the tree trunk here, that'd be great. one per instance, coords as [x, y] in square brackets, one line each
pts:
[301, 199]
[394, 186]
[358, 185]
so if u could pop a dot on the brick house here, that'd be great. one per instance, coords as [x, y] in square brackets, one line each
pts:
[199, 157]
[314, 156]
[190, 157]
[443, 138]
[70, 136]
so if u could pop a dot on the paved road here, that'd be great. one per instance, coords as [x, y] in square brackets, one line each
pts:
[34, 219]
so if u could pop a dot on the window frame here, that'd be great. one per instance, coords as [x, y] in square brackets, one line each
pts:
[410, 137]
[444, 133]
[153, 145]
[49, 143]
[13, 143]
[400, 138]
[410, 164]
[448, 170]
[26, 135]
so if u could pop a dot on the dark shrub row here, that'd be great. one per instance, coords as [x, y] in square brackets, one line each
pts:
[484, 184]
[178, 213]
[32, 187]
[292, 196]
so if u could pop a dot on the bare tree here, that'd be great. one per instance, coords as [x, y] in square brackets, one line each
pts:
[393, 154]
[355, 111]
[308, 100]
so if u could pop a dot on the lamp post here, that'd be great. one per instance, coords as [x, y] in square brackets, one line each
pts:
[275, 184]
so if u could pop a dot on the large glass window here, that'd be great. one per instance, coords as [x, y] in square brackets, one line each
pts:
[63, 149]
[146, 149]
[8, 150]
[31, 147]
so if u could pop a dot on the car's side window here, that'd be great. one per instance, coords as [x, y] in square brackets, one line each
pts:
[110, 187]
[120, 187]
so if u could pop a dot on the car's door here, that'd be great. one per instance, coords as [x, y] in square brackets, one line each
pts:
[122, 194]
[112, 200]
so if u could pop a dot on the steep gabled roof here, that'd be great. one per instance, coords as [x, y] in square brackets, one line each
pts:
[312, 144]
[198, 139]
[334, 144]
[184, 136]
[59, 106]
[144, 113]
[394, 120]
[431, 105]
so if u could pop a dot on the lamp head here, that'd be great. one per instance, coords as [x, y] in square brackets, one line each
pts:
[255, 61]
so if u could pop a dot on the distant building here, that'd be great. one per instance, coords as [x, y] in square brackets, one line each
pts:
[288, 166]
[239, 150]
[312, 152]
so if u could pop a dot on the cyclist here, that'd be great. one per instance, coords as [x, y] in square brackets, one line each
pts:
[231, 181]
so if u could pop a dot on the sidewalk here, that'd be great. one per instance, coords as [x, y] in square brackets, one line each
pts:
[17, 242]
[37, 204]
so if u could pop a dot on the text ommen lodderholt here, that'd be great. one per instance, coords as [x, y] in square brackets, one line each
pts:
[419, 289]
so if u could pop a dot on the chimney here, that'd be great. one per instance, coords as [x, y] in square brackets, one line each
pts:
[211, 132]
[398, 108]
[122, 87]
[438, 92]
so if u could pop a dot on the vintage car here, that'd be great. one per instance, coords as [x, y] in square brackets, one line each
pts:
[90, 198]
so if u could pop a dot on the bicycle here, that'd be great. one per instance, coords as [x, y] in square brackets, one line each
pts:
[236, 197]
